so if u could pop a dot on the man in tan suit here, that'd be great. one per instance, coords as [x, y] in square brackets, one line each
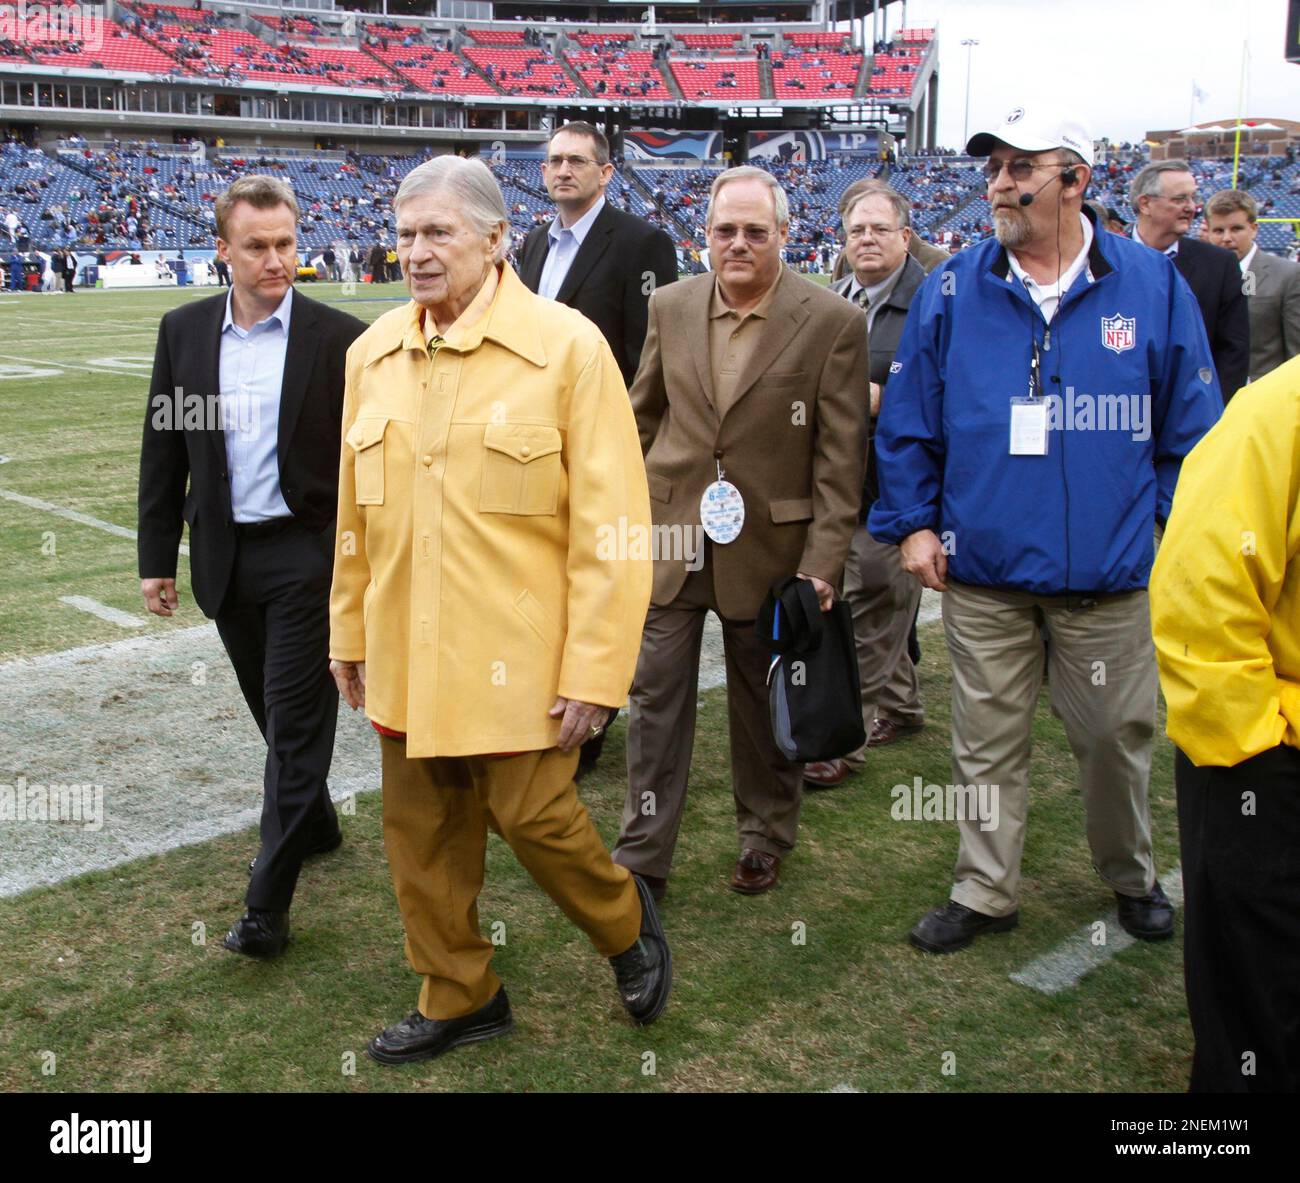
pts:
[753, 386]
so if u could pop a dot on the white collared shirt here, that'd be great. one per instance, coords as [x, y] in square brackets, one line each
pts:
[1171, 250]
[1249, 259]
[251, 373]
[565, 244]
[1048, 296]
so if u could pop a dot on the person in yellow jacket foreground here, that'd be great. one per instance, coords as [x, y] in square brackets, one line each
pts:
[479, 613]
[1225, 610]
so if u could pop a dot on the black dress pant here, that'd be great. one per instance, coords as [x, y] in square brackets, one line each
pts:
[1240, 834]
[274, 623]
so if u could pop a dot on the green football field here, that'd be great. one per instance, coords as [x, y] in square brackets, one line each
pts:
[113, 978]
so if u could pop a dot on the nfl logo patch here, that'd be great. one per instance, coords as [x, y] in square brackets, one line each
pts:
[1117, 332]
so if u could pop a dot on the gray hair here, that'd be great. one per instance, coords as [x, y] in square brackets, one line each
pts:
[746, 172]
[901, 206]
[468, 180]
[1147, 183]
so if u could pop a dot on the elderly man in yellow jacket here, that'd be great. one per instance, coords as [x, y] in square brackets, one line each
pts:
[1225, 609]
[486, 611]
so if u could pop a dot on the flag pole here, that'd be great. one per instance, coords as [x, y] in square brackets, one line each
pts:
[1241, 99]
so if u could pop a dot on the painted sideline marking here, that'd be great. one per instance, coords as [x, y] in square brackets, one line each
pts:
[74, 515]
[1077, 955]
[103, 611]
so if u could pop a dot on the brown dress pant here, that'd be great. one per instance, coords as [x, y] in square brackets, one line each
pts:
[766, 787]
[436, 817]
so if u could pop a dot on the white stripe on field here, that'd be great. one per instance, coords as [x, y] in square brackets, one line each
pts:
[103, 611]
[74, 515]
[1077, 955]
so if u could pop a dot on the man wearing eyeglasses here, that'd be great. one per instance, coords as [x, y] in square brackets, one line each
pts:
[884, 598]
[1047, 387]
[1163, 195]
[751, 401]
[593, 257]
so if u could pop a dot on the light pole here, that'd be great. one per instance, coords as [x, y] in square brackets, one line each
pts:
[969, 43]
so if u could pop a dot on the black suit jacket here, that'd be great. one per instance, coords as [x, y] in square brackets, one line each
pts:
[609, 281]
[1214, 276]
[175, 454]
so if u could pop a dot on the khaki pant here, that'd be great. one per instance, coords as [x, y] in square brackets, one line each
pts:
[1102, 675]
[767, 788]
[436, 817]
[883, 598]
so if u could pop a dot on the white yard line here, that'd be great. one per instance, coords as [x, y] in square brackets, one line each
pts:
[104, 611]
[74, 515]
[1077, 955]
[62, 365]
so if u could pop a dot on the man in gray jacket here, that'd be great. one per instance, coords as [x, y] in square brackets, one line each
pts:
[883, 278]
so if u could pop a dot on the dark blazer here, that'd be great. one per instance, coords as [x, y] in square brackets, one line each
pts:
[1274, 302]
[794, 441]
[886, 332]
[610, 279]
[1214, 275]
[174, 456]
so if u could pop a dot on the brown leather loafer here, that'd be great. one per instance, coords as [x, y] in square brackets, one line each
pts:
[885, 731]
[755, 872]
[825, 774]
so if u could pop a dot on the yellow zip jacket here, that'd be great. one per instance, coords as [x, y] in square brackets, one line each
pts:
[1225, 589]
[493, 525]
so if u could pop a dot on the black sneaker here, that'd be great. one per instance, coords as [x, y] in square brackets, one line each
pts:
[954, 926]
[418, 1038]
[645, 971]
[1148, 917]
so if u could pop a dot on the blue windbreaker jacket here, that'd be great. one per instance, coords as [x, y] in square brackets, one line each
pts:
[1130, 383]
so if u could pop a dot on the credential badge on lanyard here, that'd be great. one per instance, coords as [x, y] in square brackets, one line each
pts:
[722, 510]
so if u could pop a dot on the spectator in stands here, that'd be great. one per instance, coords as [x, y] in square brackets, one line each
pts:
[725, 353]
[1226, 619]
[884, 598]
[595, 258]
[260, 507]
[1031, 513]
[1271, 285]
[536, 387]
[1163, 196]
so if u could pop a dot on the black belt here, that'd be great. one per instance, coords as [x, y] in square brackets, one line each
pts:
[249, 530]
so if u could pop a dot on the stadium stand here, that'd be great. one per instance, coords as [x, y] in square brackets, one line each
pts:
[618, 72]
[818, 72]
[523, 71]
[734, 78]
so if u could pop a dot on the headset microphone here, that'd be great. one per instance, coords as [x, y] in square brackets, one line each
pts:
[1067, 176]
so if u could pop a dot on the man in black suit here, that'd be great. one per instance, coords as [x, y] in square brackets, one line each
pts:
[245, 406]
[1163, 196]
[597, 259]
[593, 257]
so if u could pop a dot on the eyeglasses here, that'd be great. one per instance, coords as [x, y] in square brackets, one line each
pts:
[755, 234]
[571, 161]
[1181, 199]
[1020, 168]
[859, 232]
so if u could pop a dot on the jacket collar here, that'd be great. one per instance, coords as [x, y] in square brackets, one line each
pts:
[511, 322]
[1099, 262]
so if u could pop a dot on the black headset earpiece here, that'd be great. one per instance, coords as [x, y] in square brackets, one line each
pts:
[1068, 176]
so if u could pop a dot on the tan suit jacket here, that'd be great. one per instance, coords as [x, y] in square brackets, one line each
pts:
[793, 441]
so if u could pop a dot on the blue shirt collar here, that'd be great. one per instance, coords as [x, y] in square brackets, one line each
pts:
[581, 227]
[281, 313]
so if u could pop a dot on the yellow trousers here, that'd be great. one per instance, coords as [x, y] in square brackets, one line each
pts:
[436, 817]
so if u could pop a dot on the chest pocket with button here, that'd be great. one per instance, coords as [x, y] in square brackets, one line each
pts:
[366, 438]
[521, 469]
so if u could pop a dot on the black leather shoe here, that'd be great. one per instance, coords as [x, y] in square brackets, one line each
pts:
[259, 933]
[954, 926]
[1148, 917]
[323, 846]
[645, 971]
[418, 1038]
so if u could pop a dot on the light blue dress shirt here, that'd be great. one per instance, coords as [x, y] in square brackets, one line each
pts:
[252, 371]
[564, 249]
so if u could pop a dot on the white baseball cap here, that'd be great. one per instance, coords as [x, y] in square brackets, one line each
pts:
[1034, 129]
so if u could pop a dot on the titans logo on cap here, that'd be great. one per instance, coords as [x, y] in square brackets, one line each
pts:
[1015, 115]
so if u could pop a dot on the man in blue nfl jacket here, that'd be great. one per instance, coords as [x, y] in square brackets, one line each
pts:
[1047, 387]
